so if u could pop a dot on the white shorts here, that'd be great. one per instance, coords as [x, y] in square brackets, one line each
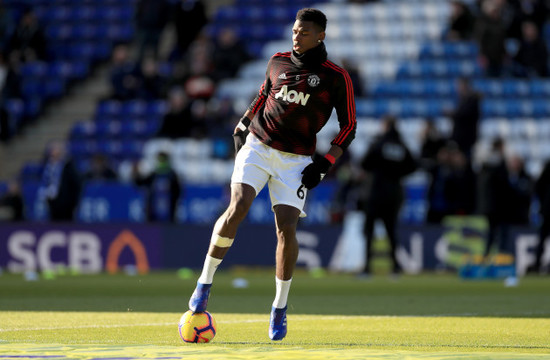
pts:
[257, 164]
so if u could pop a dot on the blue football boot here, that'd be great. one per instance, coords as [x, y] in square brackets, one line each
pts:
[277, 324]
[199, 299]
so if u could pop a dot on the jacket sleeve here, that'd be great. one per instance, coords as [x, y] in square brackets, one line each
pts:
[259, 100]
[345, 109]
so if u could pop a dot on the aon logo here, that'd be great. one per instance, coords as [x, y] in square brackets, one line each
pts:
[292, 96]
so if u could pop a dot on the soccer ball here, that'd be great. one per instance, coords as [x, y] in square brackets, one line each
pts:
[197, 327]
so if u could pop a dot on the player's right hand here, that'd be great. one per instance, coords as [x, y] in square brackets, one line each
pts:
[239, 138]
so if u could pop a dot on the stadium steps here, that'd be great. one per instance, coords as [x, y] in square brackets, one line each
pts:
[54, 124]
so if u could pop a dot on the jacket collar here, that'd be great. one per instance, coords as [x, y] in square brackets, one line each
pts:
[311, 58]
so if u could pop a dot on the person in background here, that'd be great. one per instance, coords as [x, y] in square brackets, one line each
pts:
[123, 78]
[531, 60]
[100, 169]
[229, 55]
[189, 18]
[490, 34]
[28, 42]
[461, 22]
[511, 189]
[11, 203]
[164, 190]
[151, 16]
[461, 186]
[432, 141]
[387, 161]
[61, 185]
[542, 191]
[179, 121]
[151, 82]
[465, 117]
[355, 75]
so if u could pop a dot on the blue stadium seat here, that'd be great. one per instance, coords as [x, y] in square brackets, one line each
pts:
[139, 129]
[108, 109]
[83, 130]
[34, 69]
[80, 148]
[133, 109]
[156, 109]
[69, 70]
[540, 88]
[108, 129]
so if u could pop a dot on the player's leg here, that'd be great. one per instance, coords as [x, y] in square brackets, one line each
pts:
[544, 232]
[223, 234]
[390, 223]
[491, 235]
[368, 231]
[249, 177]
[288, 197]
[286, 220]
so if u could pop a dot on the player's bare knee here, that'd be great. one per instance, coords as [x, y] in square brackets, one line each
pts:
[237, 211]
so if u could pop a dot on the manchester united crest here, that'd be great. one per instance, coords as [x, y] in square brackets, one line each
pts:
[313, 80]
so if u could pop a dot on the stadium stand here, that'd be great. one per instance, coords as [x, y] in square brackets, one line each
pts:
[407, 69]
[78, 35]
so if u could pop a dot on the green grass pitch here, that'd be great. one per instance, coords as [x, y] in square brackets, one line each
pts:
[330, 317]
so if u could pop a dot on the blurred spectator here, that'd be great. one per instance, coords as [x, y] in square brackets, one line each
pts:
[465, 117]
[535, 11]
[189, 19]
[431, 142]
[9, 88]
[6, 132]
[151, 17]
[100, 169]
[453, 185]
[461, 22]
[229, 54]
[461, 189]
[6, 26]
[387, 161]
[345, 197]
[511, 191]
[28, 42]
[531, 60]
[179, 121]
[491, 187]
[11, 203]
[222, 118]
[199, 83]
[437, 197]
[60, 186]
[164, 190]
[542, 190]
[490, 33]
[151, 83]
[520, 191]
[10, 79]
[355, 76]
[125, 83]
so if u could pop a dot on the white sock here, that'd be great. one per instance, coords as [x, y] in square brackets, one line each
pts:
[281, 295]
[208, 269]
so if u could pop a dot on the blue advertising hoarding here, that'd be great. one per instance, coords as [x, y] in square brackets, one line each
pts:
[111, 247]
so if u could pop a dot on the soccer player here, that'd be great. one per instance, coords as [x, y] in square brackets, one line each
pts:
[275, 142]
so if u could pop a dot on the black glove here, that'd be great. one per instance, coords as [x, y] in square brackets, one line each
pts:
[239, 138]
[314, 172]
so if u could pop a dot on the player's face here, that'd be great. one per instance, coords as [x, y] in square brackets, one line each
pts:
[305, 35]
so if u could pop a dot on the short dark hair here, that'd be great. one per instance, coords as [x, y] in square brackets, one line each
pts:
[313, 15]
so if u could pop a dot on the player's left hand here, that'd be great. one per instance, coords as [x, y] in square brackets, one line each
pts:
[239, 138]
[314, 172]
